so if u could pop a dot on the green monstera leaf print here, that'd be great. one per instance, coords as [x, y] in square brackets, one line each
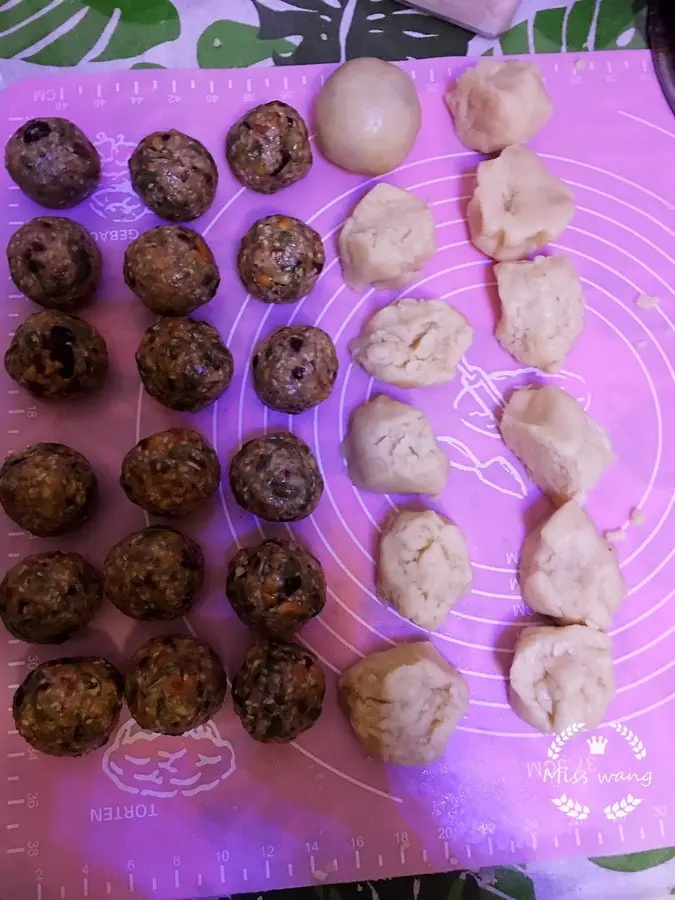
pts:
[65, 32]
[226, 44]
[635, 862]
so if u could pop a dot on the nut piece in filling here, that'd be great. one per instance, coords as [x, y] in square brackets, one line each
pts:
[174, 174]
[54, 355]
[171, 473]
[268, 149]
[48, 597]
[174, 684]
[280, 259]
[70, 706]
[48, 489]
[278, 692]
[276, 477]
[154, 574]
[171, 269]
[55, 262]
[276, 587]
[184, 364]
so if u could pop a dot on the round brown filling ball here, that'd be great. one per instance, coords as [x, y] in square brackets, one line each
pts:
[54, 356]
[53, 162]
[268, 149]
[276, 477]
[70, 706]
[48, 597]
[294, 368]
[174, 174]
[55, 262]
[184, 364]
[174, 684]
[171, 269]
[171, 473]
[278, 692]
[48, 489]
[280, 259]
[154, 574]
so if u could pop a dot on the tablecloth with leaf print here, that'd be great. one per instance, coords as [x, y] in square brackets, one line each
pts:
[98, 35]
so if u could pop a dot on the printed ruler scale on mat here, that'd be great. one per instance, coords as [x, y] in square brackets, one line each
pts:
[214, 813]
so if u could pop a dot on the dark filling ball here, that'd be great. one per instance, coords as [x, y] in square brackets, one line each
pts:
[171, 473]
[276, 477]
[48, 597]
[184, 363]
[174, 684]
[294, 368]
[276, 587]
[68, 707]
[278, 692]
[174, 174]
[54, 355]
[171, 269]
[48, 489]
[268, 149]
[280, 259]
[53, 162]
[154, 574]
[55, 262]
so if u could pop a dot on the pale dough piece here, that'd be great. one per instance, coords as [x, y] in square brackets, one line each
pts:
[569, 571]
[413, 343]
[542, 310]
[518, 205]
[561, 677]
[404, 703]
[387, 240]
[498, 103]
[565, 450]
[391, 448]
[424, 566]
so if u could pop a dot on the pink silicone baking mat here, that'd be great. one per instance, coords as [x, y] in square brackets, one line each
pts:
[214, 812]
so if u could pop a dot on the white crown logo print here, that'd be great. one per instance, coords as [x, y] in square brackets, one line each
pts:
[597, 745]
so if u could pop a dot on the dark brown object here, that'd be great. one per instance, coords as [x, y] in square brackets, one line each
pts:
[184, 364]
[280, 259]
[70, 706]
[174, 684]
[154, 574]
[278, 692]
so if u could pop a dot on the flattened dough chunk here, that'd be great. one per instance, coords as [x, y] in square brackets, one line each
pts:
[404, 703]
[424, 566]
[570, 572]
[518, 205]
[542, 310]
[387, 240]
[413, 343]
[391, 448]
[561, 677]
[565, 450]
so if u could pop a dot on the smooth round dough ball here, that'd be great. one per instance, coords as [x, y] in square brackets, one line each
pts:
[561, 677]
[391, 448]
[404, 704]
[367, 116]
[423, 566]
[498, 103]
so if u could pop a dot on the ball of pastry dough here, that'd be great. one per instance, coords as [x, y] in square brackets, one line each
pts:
[367, 116]
[388, 239]
[391, 448]
[498, 103]
[561, 677]
[413, 343]
[564, 449]
[542, 310]
[570, 572]
[518, 205]
[423, 567]
[404, 704]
